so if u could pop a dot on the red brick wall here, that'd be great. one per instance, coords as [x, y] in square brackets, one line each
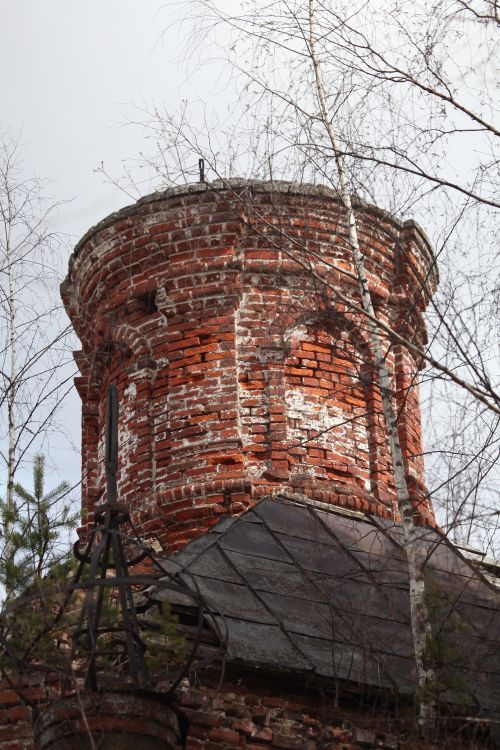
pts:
[261, 714]
[16, 731]
[256, 719]
[327, 386]
[239, 371]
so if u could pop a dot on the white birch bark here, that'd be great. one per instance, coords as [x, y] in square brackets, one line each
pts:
[421, 627]
[33, 374]
[11, 395]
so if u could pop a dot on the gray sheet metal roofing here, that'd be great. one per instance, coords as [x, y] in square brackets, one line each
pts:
[325, 593]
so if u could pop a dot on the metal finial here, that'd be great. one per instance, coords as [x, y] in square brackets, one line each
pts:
[201, 166]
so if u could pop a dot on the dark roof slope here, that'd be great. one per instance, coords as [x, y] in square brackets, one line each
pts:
[324, 592]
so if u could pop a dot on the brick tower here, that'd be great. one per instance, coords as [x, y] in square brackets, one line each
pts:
[250, 427]
[227, 316]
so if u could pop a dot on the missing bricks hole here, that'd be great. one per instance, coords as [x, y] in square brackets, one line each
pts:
[148, 302]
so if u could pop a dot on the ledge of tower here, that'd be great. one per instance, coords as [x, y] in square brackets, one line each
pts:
[238, 185]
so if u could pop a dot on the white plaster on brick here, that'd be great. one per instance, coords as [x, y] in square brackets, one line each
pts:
[246, 417]
[127, 440]
[326, 426]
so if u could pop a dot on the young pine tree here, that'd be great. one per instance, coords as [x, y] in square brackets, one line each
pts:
[34, 531]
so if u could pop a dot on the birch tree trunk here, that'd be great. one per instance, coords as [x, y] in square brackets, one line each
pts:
[36, 371]
[11, 394]
[421, 626]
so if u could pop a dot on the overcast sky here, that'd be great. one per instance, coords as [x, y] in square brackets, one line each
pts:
[70, 73]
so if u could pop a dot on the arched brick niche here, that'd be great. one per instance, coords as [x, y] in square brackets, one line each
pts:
[238, 370]
[328, 381]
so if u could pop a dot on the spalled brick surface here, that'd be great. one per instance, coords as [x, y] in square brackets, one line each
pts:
[238, 371]
[269, 717]
[261, 717]
[232, 717]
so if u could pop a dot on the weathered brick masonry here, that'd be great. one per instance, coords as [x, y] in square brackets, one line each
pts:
[224, 314]
[248, 717]
[253, 714]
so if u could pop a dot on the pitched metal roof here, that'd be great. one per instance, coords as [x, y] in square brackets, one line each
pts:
[325, 593]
